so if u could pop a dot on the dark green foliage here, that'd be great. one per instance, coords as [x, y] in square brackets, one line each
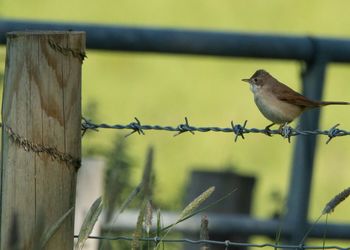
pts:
[117, 176]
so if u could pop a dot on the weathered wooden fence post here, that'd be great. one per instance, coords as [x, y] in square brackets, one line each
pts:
[41, 135]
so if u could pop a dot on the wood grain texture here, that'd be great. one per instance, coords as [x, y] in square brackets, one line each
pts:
[42, 104]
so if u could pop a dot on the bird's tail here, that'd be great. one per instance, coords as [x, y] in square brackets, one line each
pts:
[333, 103]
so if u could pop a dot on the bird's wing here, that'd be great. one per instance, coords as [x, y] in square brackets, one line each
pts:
[286, 94]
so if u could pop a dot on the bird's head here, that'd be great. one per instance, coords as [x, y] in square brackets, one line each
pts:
[258, 78]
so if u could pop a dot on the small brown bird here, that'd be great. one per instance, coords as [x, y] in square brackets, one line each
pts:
[279, 103]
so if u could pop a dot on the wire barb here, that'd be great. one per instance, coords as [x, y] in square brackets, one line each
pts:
[86, 125]
[287, 132]
[238, 129]
[136, 127]
[184, 128]
[156, 240]
[227, 244]
[333, 132]
[301, 246]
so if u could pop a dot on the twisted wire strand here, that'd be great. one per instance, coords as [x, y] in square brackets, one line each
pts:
[226, 243]
[237, 129]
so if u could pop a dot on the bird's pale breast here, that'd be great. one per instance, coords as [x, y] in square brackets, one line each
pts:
[274, 109]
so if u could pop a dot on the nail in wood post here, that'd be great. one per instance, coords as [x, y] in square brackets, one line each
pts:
[41, 136]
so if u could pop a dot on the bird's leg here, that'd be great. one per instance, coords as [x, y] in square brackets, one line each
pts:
[268, 130]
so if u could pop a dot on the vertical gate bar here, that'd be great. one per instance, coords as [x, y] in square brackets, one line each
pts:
[304, 152]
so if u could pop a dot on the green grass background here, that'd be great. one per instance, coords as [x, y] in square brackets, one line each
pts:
[163, 89]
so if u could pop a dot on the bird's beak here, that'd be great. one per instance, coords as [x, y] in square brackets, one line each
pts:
[246, 80]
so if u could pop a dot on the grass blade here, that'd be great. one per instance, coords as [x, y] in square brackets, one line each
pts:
[89, 222]
[333, 203]
[148, 216]
[190, 208]
[204, 232]
[147, 174]
[159, 226]
[53, 229]
[145, 188]
[135, 244]
[200, 210]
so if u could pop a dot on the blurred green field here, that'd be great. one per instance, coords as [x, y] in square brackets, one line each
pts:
[163, 89]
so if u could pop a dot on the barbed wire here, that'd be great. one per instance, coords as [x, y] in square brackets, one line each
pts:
[38, 148]
[225, 243]
[237, 129]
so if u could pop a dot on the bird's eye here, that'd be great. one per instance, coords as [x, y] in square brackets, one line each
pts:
[255, 79]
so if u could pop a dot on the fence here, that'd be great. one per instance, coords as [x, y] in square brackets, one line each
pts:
[238, 130]
[41, 142]
[227, 244]
[314, 51]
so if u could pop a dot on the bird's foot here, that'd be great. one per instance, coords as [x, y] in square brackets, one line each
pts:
[268, 130]
[281, 127]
